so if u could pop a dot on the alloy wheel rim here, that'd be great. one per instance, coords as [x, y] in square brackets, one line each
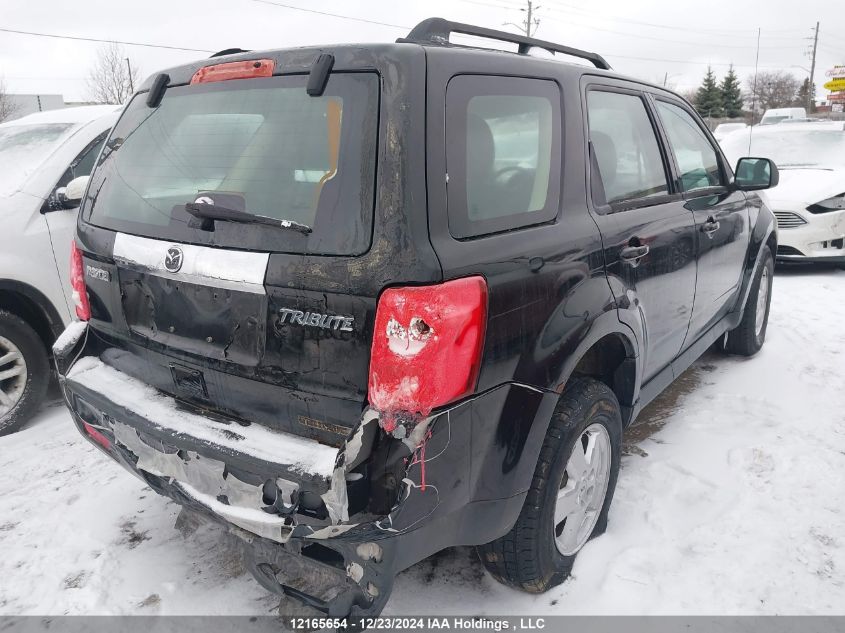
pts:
[762, 302]
[13, 375]
[583, 489]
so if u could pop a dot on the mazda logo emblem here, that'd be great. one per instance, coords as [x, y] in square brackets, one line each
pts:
[173, 259]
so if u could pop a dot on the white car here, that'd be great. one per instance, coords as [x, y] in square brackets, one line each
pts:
[778, 115]
[723, 129]
[46, 158]
[809, 202]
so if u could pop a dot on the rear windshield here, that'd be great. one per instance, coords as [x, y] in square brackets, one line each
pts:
[257, 145]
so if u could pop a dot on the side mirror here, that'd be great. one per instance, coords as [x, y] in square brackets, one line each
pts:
[73, 193]
[753, 174]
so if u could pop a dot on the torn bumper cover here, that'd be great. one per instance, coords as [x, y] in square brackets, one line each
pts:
[327, 526]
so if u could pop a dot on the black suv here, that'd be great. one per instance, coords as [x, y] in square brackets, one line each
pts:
[362, 303]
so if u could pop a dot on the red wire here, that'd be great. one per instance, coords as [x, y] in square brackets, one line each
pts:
[420, 459]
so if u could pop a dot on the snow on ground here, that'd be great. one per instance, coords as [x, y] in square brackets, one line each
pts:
[731, 500]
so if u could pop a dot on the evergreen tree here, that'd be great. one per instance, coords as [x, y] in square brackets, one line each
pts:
[708, 99]
[731, 95]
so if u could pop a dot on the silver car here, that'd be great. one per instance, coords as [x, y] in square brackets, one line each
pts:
[46, 159]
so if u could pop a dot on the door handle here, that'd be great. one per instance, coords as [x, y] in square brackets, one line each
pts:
[710, 227]
[633, 254]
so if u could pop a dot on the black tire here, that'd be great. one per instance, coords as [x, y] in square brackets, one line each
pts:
[527, 557]
[745, 340]
[22, 336]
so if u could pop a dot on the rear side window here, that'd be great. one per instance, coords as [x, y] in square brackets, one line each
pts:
[263, 146]
[503, 153]
[625, 148]
[696, 159]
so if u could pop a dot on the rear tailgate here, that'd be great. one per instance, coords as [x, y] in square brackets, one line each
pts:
[260, 323]
[214, 334]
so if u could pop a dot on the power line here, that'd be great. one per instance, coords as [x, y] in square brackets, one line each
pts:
[588, 15]
[109, 41]
[400, 26]
[45, 78]
[830, 49]
[664, 39]
[684, 27]
[333, 15]
[376, 22]
[686, 61]
[509, 7]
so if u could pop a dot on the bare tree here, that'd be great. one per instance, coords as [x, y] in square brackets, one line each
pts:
[112, 78]
[772, 89]
[8, 107]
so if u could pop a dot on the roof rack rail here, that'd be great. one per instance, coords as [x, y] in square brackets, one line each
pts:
[438, 30]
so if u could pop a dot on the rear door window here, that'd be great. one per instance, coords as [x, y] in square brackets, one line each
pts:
[503, 153]
[263, 146]
[625, 149]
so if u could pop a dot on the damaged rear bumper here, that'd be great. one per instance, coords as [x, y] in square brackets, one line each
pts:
[327, 526]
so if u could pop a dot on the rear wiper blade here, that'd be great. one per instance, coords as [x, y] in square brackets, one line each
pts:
[216, 212]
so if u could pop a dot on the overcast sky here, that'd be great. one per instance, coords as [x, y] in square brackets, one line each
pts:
[650, 39]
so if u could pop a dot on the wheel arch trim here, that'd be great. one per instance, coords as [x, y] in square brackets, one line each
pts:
[765, 234]
[36, 298]
[604, 326]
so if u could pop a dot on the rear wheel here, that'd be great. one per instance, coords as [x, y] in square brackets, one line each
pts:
[570, 494]
[24, 372]
[750, 334]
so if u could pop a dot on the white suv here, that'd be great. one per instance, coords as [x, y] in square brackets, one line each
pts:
[46, 159]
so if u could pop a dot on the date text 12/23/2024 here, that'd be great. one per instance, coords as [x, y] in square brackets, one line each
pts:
[427, 623]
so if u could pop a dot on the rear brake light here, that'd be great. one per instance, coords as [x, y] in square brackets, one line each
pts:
[77, 282]
[427, 345]
[234, 70]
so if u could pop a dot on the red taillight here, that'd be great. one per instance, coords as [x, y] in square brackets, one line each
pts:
[77, 282]
[427, 345]
[98, 437]
[234, 70]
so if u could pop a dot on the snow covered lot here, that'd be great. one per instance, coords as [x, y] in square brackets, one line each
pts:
[731, 500]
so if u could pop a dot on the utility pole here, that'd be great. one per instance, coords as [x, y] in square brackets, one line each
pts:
[530, 24]
[530, 21]
[811, 102]
[131, 84]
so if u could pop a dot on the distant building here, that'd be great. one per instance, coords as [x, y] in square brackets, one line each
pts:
[27, 104]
